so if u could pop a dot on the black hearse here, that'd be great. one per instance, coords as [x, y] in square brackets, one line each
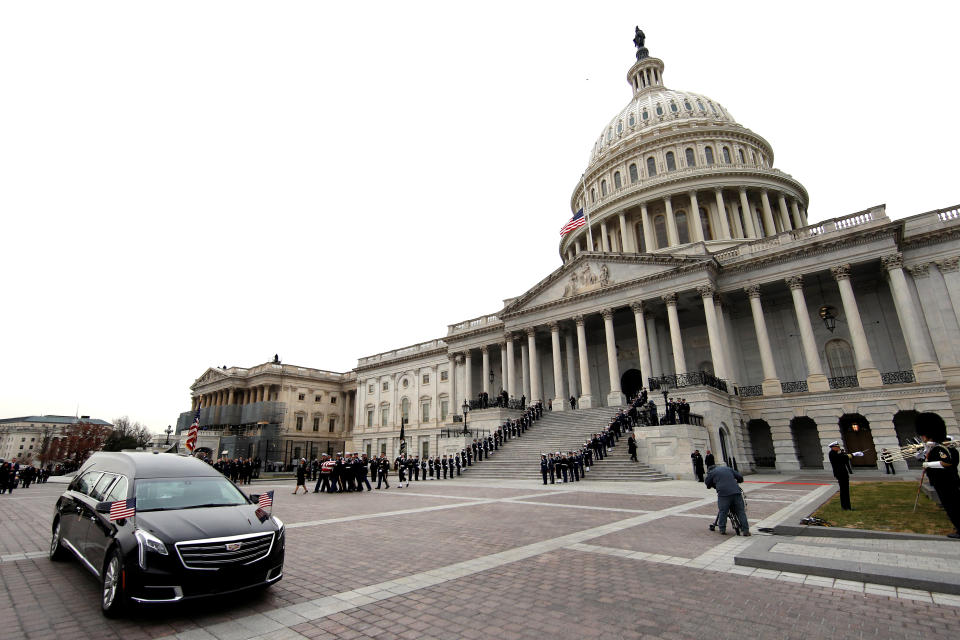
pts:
[192, 532]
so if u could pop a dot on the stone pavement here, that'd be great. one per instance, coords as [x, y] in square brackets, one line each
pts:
[486, 559]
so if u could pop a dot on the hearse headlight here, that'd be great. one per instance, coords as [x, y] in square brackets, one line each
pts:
[148, 542]
[280, 530]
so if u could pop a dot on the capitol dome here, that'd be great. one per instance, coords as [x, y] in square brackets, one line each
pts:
[668, 154]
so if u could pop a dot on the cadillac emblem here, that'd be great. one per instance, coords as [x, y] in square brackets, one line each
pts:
[233, 546]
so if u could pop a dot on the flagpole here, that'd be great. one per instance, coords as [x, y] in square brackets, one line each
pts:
[586, 212]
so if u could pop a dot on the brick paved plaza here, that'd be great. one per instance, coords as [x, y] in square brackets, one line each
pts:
[485, 559]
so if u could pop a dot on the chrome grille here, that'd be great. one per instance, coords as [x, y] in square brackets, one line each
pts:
[219, 553]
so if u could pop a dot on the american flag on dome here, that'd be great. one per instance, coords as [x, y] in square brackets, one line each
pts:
[266, 500]
[575, 222]
[123, 509]
[192, 434]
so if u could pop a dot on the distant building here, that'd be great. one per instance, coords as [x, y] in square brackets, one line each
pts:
[24, 435]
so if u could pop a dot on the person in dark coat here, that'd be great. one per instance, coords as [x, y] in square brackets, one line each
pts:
[301, 477]
[840, 461]
[709, 460]
[729, 496]
[697, 464]
[940, 464]
[632, 448]
[544, 467]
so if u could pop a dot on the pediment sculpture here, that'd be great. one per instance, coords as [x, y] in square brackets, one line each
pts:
[586, 278]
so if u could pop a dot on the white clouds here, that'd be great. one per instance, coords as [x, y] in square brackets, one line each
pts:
[194, 184]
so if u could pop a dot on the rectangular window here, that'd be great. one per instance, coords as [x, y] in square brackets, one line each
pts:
[425, 412]
[386, 386]
[444, 409]
[371, 389]
[426, 378]
[317, 398]
[333, 399]
[333, 424]
[383, 448]
[301, 396]
[384, 416]
[443, 376]
[299, 423]
[316, 423]
[426, 449]
[370, 417]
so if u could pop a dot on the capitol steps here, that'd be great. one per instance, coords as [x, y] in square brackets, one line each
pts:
[563, 431]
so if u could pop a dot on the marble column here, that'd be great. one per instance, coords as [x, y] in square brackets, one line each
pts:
[625, 236]
[867, 374]
[615, 398]
[925, 366]
[503, 368]
[559, 401]
[656, 366]
[571, 390]
[586, 393]
[511, 368]
[950, 269]
[693, 220]
[673, 238]
[748, 219]
[784, 214]
[771, 383]
[795, 210]
[485, 369]
[816, 380]
[722, 215]
[713, 331]
[726, 342]
[771, 227]
[648, 236]
[525, 369]
[604, 240]
[230, 397]
[468, 375]
[536, 393]
[643, 349]
[676, 340]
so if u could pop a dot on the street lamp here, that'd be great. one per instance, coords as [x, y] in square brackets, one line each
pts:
[466, 410]
[665, 393]
[168, 431]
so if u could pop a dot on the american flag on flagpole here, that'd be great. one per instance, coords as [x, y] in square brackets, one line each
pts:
[266, 500]
[123, 509]
[192, 434]
[575, 222]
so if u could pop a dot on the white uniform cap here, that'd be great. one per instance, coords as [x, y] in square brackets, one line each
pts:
[834, 444]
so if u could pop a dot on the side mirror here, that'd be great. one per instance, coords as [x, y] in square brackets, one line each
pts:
[103, 507]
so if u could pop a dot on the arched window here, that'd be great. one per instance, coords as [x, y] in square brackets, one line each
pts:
[609, 134]
[742, 160]
[633, 120]
[726, 155]
[708, 152]
[683, 229]
[660, 230]
[671, 161]
[700, 104]
[753, 157]
[617, 182]
[633, 174]
[840, 359]
[646, 116]
[673, 107]
[659, 109]
[651, 167]
[405, 408]
[691, 159]
[593, 196]
[705, 224]
[603, 188]
[687, 105]
[619, 127]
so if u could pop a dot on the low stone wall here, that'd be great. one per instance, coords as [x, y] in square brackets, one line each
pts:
[668, 447]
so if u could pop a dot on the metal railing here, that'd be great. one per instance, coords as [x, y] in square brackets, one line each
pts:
[798, 386]
[461, 433]
[690, 379]
[843, 382]
[750, 390]
[898, 377]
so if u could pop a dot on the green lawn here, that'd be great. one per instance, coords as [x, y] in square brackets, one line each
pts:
[886, 506]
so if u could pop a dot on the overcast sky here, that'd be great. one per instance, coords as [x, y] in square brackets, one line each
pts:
[194, 184]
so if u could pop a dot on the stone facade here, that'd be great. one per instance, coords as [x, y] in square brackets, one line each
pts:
[22, 438]
[698, 272]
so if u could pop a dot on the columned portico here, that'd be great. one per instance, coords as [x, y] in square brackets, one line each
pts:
[525, 369]
[676, 341]
[571, 390]
[559, 401]
[867, 374]
[925, 366]
[816, 380]
[586, 393]
[771, 383]
[485, 369]
[503, 368]
[615, 397]
[467, 376]
[511, 367]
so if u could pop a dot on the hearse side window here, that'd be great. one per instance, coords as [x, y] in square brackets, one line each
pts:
[102, 486]
[118, 491]
[86, 482]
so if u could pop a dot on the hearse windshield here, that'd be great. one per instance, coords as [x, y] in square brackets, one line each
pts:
[163, 494]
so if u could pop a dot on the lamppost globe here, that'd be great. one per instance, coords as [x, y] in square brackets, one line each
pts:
[466, 410]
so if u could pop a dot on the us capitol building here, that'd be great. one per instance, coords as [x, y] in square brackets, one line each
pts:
[699, 274]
